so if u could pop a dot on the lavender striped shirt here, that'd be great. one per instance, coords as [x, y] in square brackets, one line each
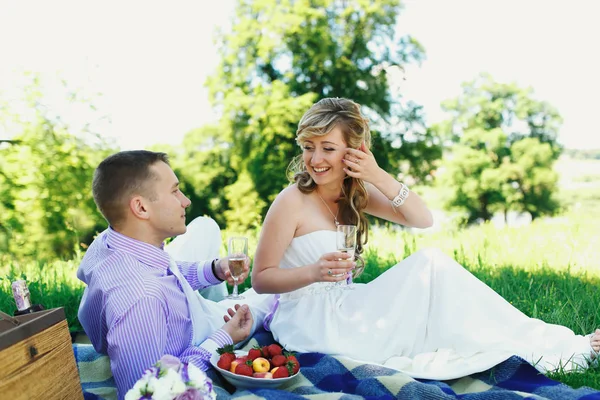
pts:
[134, 310]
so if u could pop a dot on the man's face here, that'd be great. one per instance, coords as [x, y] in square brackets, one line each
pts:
[167, 206]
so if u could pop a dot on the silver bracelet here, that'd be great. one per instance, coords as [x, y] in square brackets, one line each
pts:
[402, 196]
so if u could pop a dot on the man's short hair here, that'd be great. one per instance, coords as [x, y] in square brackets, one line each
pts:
[121, 176]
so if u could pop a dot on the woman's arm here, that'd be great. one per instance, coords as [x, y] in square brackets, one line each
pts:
[279, 227]
[413, 213]
[383, 188]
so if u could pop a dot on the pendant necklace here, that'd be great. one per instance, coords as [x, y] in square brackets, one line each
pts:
[335, 220]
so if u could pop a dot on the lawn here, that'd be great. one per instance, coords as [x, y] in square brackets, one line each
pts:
[547, 269]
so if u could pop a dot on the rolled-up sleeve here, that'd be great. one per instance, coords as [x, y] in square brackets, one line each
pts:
[200, 355]
[199, 274]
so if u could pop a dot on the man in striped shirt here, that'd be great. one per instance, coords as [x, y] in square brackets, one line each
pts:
[134, 308]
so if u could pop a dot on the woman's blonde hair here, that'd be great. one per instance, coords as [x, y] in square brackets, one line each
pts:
[319, 120]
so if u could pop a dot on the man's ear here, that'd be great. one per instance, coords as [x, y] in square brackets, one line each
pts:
[138, 208]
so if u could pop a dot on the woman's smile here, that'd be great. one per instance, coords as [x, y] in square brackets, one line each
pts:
[321, 171]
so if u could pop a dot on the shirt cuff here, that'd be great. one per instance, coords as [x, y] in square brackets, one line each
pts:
[219, 338]
[205, 270]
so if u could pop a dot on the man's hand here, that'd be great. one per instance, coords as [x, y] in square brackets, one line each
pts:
[238, 323]
[224, 274]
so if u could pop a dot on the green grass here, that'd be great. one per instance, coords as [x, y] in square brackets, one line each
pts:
[52, 284]
[548, 270]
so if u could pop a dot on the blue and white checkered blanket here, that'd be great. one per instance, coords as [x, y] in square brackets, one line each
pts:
[327, 377]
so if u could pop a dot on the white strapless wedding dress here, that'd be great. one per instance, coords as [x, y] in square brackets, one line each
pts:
[427, 316]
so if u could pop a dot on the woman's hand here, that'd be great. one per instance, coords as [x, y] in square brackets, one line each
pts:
[361, 164]
[223, 273]
[383, 188]
[333, 267]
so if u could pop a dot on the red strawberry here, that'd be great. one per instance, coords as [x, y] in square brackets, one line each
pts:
[278, 360]
[281, 372]
[293, 365]
[274, 350]
[227, 356]
[254, 353]
[265, 352]
[225, 360]
[244, 369]
[290, 356]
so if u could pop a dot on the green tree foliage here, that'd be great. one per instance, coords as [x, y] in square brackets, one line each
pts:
[505, 147]
[45, 176]
[245, 205]
[536, 180]
[203, 167]
[277, 60]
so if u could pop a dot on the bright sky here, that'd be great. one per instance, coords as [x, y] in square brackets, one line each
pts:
[150, 59]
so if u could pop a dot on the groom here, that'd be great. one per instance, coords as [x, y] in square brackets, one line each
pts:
[139, 304]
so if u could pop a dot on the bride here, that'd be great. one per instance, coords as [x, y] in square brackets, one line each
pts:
[427, 316]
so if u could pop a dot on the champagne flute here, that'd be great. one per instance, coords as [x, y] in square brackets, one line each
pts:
[346, 243]
[237, 251]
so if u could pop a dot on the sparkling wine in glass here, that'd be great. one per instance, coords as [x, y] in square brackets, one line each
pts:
[346, 243]
[237, 251]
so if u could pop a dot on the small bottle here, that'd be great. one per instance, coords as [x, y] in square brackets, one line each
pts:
[23, 298]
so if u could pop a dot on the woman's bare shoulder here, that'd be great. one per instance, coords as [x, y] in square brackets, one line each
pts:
[287, 206]
[291, 195]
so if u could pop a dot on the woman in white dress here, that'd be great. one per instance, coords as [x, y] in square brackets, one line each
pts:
[426, 316]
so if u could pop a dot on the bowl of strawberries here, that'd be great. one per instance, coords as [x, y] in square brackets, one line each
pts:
[267, 367]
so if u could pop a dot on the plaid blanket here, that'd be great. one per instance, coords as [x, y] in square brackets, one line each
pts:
[327, 377]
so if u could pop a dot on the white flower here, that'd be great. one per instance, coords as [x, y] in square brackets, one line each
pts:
[152, 383]
[173, 381]
[197, 376]
[136, 391]
[162, 392]
[170, 383]
[178, 387]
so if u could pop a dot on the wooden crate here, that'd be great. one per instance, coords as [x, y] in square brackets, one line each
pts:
[37, 358]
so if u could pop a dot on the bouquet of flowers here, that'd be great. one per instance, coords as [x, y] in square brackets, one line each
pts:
[171, 379]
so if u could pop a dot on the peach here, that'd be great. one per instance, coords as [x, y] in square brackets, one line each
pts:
[263, 375]
[273, 370]
[233, 365]
[261, 364]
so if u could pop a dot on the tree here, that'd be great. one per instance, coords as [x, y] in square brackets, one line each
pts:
[282, 56]
[503, 153]
[203, 167]
[536, 180]
[45, 179]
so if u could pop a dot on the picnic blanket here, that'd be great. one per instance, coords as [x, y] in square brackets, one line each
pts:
[328, 377]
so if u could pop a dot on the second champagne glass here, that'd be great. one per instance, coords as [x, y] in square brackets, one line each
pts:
[346, 243]
[237, 251]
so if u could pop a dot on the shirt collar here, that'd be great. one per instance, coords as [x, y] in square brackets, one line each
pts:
[142, 251]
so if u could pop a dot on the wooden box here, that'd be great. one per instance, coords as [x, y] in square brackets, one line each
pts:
[36, 358]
